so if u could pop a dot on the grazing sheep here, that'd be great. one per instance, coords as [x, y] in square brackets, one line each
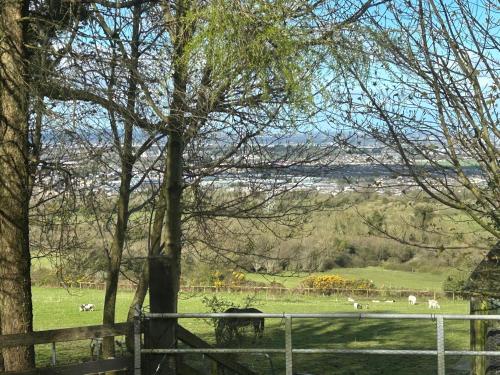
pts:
[389, 301]
[412, 300]
[375, 301]
[87, 307]
[349, 299]
[357, 306]
[433, 304]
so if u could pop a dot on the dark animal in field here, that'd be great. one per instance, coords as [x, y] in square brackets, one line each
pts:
[228, 328]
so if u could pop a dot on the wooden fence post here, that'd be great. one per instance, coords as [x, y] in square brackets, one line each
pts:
[478, 328]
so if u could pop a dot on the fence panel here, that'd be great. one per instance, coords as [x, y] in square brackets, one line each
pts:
[71, 334]
[64, 334]
[439, 352]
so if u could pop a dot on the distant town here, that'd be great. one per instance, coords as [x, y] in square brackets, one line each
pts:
[369, 168]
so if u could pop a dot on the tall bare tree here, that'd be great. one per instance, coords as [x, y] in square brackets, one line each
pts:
[15, 285]
[431, 98]
[233, 79]
[26, 31]
[237, 71]
[104, 80]
[127, 159]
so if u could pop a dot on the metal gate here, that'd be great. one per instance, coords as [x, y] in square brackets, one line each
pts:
[288, 350]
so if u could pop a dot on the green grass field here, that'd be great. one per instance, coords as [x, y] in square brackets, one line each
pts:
[383, 279]
[58, 308]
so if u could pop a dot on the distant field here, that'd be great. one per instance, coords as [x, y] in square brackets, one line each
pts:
[381, 277]
[57, 308]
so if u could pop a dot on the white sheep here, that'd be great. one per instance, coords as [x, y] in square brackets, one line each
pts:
[433, 304]
[375, 301]
[412, 300]
[357, 306]
[390, 301]
[349, 299]
[87, 307]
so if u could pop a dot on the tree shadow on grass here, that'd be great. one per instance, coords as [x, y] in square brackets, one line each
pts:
[353, 334]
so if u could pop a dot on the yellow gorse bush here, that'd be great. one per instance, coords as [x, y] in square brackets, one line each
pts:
[326, 283]
[218, 283]
[217, 279]
[230, 278]
[237, 277]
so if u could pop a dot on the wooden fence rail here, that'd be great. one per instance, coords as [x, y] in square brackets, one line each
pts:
[64, 334]
[317, 291]
[390, 292]
[73, 334]
[123, 364]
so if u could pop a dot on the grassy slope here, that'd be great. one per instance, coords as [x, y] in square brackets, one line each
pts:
[381, 277]
[58, 308]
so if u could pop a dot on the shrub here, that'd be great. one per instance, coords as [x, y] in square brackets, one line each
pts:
[327, 263]
[327, 284]
[237, 278]
[217, 279]
[343, 260]
[455, 282]
[44, 277]
[204, 274]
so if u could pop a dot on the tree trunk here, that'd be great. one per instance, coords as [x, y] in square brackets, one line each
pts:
[115, 259]
[2, 368]
[154, 249]
[127, 163]
[15, 285]
[165, 270]
[164, 274]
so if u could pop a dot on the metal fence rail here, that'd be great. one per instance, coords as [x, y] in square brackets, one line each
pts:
[440, 351]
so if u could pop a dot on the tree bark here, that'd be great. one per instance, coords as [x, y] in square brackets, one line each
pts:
[114, 263]
[165, 270]
[15, 285]
[2, 367]
[154, 250]
[127, 162]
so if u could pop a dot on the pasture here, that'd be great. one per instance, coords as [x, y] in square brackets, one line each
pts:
[383, 278]
[58, 308]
